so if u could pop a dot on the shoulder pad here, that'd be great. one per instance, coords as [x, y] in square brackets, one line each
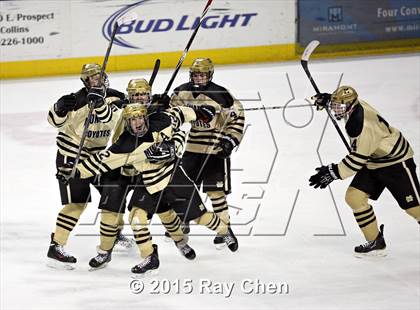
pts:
[110, 92]
[80, 98]
[185, 86]
[120, 103]
[159, 121]
[354, 125]
[219, 94]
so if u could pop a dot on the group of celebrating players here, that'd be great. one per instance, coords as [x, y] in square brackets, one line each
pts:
[150, 156]
[136, 142]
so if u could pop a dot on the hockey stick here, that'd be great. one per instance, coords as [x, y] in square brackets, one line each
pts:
[304, 61]
[276, 107]
[184, 54]
[155, 72]
[120, 21]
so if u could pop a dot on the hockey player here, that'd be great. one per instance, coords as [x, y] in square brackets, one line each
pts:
[68, 115]
[380, 158]
[148, 145]
[210, 145]
[113, 196]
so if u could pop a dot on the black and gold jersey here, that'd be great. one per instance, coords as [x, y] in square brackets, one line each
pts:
[101, 123]
[229, 120]
[374, 143]
[128, 151]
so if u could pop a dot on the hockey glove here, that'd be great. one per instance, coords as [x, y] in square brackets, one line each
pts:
[121, 103]
[96, 97]
[65, 104]
[205, 113]
[161, 152]
[227, 144]
[64, 173]
[321, 100]
[324, 176]
[161, 99]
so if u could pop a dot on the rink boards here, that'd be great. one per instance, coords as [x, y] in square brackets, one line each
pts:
[44, 38]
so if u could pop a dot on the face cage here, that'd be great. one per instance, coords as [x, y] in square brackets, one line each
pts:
[142, 131]
[105, 81]
[209, 78]
[339, 109]
[146, 103]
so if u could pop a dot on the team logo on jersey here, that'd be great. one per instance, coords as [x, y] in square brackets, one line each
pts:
[409, 198]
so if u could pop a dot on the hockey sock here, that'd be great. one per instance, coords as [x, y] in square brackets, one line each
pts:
[66, 220]
[414, 212]
[366, 220]
[363, 212]
[220, 207]
[121, 221]
[172, 223]
[139, 225]
[213, 222]
[109, 229]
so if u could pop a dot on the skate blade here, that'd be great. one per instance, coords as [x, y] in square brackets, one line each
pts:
[220, 246]
[55, 264]
[148, 273]
[97, 268]
[188, 258]
[372, 254]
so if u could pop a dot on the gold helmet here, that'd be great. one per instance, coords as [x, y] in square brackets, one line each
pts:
[138, 87]
[342, 99]
[136, 119]
[89, 70]
[202, 65]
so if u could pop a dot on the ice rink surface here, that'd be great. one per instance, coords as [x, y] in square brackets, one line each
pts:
[291, 235]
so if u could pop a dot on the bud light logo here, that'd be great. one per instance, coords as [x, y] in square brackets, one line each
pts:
[152, 24]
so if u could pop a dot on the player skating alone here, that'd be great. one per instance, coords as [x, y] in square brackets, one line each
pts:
[380, 158]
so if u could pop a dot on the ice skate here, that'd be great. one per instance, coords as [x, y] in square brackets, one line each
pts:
[219, 242]
[123, 243]
[186, 251]
[374, 248]
[58, 258]
[149, 266]
[101, 260]
[230, 240]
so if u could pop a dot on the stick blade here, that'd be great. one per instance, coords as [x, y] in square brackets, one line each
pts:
[126, 18]
[309, 50]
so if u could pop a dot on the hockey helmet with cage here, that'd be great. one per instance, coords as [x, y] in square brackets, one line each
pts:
[342, 100]
[136, 121]
[202, 65]
[90, 70]
[138, 88]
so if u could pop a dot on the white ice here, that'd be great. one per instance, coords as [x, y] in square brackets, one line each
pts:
[288, 232]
